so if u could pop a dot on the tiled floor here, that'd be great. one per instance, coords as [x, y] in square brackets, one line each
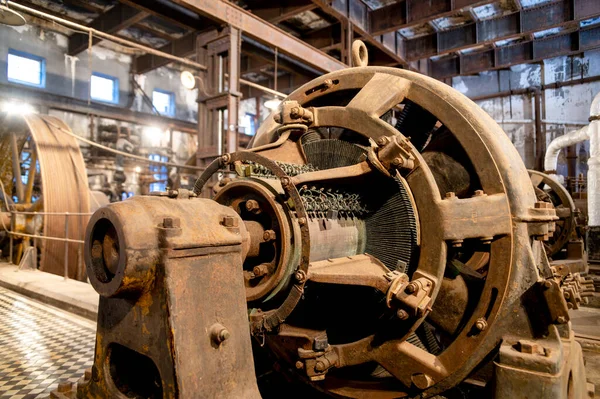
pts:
[40, 346]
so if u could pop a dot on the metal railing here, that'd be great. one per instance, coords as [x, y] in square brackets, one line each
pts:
[66, 238]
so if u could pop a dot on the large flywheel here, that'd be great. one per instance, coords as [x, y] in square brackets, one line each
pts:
[43, 172]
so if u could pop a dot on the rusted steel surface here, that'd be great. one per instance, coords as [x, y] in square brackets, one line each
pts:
[421, 266]
[61, 187]
[172, 318]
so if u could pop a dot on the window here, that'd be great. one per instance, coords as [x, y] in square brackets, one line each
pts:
[164, 102]
[26, 69]
[104, 88]
[159, 173]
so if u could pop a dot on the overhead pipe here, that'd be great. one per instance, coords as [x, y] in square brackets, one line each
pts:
[556, 145]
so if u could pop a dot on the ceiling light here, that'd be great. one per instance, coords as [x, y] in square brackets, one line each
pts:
[188, 80]
[17, 108]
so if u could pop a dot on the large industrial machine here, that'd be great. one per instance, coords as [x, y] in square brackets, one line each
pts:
[381, 238]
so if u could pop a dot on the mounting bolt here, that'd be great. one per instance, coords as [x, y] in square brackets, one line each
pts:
[269, 235]
[299, 365]
[171, 223]
[285, 181]
[402, 314]
[479, 193]
[65, 387]
[450, 195]
[411, 288]
[300, 276]
[561, 320]
[219, 333]
[260, 270]
[301, 221]
[421, 381]
[253, 206]
[481, 324]
[320, 366]
[320, 343]
[295, 112]
[457, 243]
[383, 140]
[397, 162]
[277, 118]
[528, 347]
[225, 158]
[229, 221]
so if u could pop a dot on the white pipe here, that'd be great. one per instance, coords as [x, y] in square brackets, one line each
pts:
[593, 177]
[566, 140]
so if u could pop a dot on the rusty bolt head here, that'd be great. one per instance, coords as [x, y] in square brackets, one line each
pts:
[567, 295]
[269, 235]
[528, 347]
[277, 118]
[383, 140]
[229, 221]
[320, 343]
[225, 158]
[421, 381]
[327, 84]
[397, 162]
[171, 223]
[411, 288]
[260, 270]
[481, 324]
[561, 320]
[320, 366]
[253, 206]
[219, 333]
[65, 387]
[295, 112]
[402, 314]
[285, 181]
[300, 276]
[479, 193]
[450, 195]
[299, 365]
[301, 221]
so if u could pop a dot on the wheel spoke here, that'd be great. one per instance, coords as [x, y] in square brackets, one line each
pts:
[381, 94]
[30, 177]
[477, 217]
[16, 163]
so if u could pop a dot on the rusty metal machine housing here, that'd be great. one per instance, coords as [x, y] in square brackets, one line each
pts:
[381, 239]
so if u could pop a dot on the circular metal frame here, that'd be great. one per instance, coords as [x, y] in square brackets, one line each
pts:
[503, 179]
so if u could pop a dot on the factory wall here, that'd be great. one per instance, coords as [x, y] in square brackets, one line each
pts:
[562, 109]
[70, 76]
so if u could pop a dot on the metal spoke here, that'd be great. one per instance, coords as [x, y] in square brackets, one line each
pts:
[381, 94]
[16, 163]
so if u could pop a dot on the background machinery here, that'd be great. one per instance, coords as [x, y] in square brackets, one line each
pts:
[381, 238]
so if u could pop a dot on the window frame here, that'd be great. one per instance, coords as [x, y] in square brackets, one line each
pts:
[24, 54]
[115, 98]
[171, 95]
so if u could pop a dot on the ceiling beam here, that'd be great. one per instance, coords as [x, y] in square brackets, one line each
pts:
[171, 12]
[414, 12]
[521, 53]
[182, 47]
[508, 27]
[355, 12]
[227, 13]
[277, 13]
[117, 18]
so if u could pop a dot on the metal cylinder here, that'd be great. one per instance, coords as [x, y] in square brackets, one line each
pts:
[336, 238]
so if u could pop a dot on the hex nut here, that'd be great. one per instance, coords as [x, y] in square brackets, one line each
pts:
[421, 381]
[253, 206]
[300, 276]
[219, 333]
[269, 235]
[481, 324]
[402, 314]
[229, 221]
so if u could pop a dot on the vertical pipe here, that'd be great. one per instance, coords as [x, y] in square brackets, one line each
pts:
[593, 182]
[66, 246]
[540, 137]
